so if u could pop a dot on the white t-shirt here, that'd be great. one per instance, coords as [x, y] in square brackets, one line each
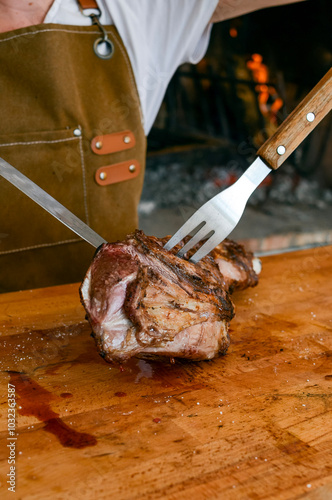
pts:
[159, 36]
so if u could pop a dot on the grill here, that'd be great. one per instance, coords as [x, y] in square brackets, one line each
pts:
[216, 114]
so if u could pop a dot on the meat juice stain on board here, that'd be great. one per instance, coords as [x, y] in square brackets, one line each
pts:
[163, 373]
[136, 370]
[87, 356]
[35, 402]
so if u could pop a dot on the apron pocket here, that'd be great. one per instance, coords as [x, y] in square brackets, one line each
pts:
[53, 160]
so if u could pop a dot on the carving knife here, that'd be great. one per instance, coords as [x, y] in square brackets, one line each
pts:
[52, 206]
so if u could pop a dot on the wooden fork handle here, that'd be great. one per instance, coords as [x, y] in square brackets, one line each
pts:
[298, 124]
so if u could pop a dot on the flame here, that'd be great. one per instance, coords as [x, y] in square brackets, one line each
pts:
[202, 66]
[268, 98]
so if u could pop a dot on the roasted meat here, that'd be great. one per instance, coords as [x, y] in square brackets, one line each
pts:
[142, 300]
[238, 267]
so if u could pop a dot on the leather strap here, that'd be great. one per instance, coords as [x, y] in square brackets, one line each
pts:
[118, 172]
[112, 143]
[88, 4]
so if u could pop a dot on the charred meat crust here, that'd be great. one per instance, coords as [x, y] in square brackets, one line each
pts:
[161, 292]
[155, 303]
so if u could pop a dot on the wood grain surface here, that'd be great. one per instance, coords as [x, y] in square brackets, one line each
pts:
[253, 424]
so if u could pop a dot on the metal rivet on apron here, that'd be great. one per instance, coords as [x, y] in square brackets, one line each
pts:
[132, 168]
[99, 145]
[126, 139]
[77, 132]
[102, 176]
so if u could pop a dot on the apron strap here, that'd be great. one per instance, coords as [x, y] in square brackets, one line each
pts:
[88, 4]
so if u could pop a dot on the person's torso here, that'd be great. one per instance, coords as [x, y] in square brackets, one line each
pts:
[56, 98]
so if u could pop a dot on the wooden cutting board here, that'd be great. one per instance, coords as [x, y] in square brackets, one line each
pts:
[254, 424]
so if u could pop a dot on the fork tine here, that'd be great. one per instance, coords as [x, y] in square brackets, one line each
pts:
[201, 234]
[190, 225]
[206, 248]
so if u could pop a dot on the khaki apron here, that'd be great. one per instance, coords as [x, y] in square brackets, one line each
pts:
[72, 123]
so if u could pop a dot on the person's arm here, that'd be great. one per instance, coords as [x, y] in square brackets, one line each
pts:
[228, 9]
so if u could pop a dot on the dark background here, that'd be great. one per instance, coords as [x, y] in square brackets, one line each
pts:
[212, 108]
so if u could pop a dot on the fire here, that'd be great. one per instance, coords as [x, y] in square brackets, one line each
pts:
[269, 100]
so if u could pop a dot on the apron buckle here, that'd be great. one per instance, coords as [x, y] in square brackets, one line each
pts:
[103, 47]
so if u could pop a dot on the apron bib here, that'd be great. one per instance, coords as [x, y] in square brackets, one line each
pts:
[71, 122]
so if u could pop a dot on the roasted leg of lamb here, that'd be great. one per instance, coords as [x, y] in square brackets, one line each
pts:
[142, 300]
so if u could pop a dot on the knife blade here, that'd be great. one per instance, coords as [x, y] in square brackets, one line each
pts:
[51, 205]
